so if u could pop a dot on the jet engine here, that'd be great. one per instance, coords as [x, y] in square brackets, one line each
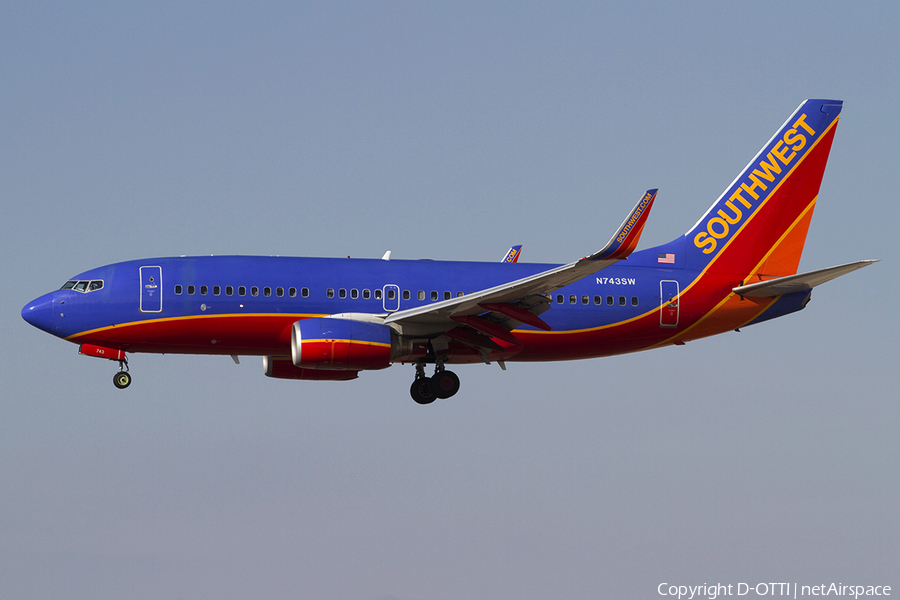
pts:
[344, 344]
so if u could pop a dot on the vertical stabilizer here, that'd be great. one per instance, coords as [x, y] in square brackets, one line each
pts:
[757, 227]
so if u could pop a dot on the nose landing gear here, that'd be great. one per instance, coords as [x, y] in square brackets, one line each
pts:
[443, 384]
[122, 379]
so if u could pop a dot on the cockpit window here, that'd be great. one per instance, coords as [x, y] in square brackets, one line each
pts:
[83, 286]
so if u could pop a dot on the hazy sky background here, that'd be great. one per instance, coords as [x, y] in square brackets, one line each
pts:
[449, 131]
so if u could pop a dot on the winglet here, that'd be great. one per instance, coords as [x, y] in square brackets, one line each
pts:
[513, 254]
[626, 238]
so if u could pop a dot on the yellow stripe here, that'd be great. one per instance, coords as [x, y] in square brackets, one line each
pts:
[330, 340]
[190, 318]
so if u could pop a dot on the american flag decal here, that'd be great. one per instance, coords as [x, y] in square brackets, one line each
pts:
[667, 258]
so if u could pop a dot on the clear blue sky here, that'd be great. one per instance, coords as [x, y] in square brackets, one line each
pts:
[445, 131]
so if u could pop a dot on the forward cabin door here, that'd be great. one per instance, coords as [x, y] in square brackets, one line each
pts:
[668, 310]
[151, 289]
[390, 297]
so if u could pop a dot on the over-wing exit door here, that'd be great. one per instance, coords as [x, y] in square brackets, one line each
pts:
[151, 289]
[668, 310]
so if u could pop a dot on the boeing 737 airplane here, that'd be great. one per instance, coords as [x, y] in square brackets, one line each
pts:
[330, 318]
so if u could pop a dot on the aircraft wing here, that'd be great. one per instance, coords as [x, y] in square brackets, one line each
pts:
[798, 283]
[512, 299]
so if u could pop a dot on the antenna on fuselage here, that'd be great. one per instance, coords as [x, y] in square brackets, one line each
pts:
[387, 255]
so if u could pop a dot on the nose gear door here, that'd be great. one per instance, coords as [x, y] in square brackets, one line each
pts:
[151, 289]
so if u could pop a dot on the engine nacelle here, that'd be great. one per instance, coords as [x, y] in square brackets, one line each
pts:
[281, 367]
[342, 344]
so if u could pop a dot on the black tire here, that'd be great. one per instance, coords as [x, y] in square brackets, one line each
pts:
[445, 384]
[422, 391]
[122, 380]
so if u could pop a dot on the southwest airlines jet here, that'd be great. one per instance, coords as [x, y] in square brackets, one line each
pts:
[330, 318]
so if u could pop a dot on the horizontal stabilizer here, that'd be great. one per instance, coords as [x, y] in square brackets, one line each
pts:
[798, 283]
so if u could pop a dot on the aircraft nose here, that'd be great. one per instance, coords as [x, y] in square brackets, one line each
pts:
[39, 312]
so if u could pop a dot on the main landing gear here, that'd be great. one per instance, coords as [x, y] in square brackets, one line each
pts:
[442, 384]
[122, 379]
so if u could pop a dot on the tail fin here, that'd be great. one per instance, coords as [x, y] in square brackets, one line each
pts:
[757, 227]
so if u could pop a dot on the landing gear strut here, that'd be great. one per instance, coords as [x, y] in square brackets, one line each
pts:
[442, 385]
[122, 379]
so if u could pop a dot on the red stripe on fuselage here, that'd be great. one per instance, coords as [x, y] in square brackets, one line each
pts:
[256, 334]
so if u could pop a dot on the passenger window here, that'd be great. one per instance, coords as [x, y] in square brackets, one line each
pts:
[292, 292]
[329, 293]
[342, 293]
[304, 292]
[584, 299]
[229, 290]
[366, 294]
[447, 295]
[95, 285]
[572, 299]
[560, 299]
[178, 290]
[634, 300]
[610, 301]
[598, 300]
[421, 294]
[242, 291]
[378, 295]
[267, 291]
[354, 293]
[204, 290]
[191, 290]
[391, 295]
[279, 292]
[434, 295]
[621, 300]
[254, 291]
[406, 294]
[217, 290]
[460, 294]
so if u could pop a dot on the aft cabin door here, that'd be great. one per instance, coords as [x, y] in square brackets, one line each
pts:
[151, 289]
[668, 310]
